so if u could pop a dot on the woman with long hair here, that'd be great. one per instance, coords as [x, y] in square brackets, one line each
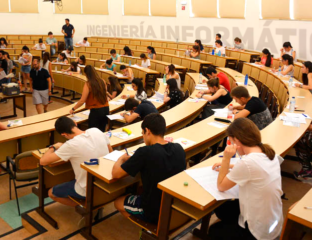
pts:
[114, 88]
[266, 59]
[306, 76]
[173, 95]
[288, 49]
[151, 53]
[47, 65]
[258, 212]
[171, 73]
[288, 66]
[137, 86]
[195, 52]
[26, 65]
[127, 51]
[199, 43]
[61, 58]
[94, 95]
[73, 68]
[81, 60]
[3, 43]
[146, 63]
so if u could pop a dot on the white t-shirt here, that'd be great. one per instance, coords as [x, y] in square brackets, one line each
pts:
[221, 49]
[42, 47]
[91, 144]
[67, 54]
[142, 96]
[178, 80]
[46, 65]
[87, 44]
[260, 191]
[146, 63]
[290, 53]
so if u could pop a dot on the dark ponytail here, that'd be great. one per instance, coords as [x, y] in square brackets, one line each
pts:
[269, 57]
[305, 79]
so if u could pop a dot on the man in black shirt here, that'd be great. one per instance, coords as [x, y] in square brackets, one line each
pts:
[40, 86]
[3, 69]
[157, 161]
[138, 109]
[68, 30]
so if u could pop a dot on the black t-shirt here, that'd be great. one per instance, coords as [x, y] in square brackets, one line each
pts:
[175, 98]
[155, 163]
[39, 79]
[68, 29]
[4, 65]
[255, 105]
[145, 108]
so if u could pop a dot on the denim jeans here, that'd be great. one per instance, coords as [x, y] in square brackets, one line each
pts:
[52, 51]
[68, 42]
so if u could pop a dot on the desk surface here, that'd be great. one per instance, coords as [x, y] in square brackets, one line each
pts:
[2, 96]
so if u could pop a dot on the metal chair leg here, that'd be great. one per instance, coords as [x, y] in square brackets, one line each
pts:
[10, 187]
[19, 212]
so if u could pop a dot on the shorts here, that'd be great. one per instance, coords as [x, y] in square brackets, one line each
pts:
[26, 69]
[40, 97]
[64, 190]
[133, 206]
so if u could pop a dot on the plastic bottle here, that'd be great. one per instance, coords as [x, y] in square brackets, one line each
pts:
[213, 52]
[200, 78]
[74, 54]
[280, 71]
[109, 134]
[292, 105]
[246, 80]
[177, 40]
[130, 63]
[164, 78]
[290, 82]
[219, 53]
[230, 112]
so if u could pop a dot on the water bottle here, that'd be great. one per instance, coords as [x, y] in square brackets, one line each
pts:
[55, 68]
[246, 80]
[164, 78]
[14, 58]
[292, 105]
[290, 81]
[230, 111]
[280, 71]
[200, 78]
[74, 54]
[219, 53]
[109, 134]
[213, 52]
[228, 142]
[177, 40]
[130, 63]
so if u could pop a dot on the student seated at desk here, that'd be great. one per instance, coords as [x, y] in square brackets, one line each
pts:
[3, 43]
[137, 85]
[238, 45]
[171, 73]
[109, 65]
[288, 67]
[211, 72]
[218, 37]
[219, 98]
[157, 161]
[220, 50]
[251, 107]
[127, 72]
[151, 53]
[61, 59]
[52, 42]
[114, 88]
[81, 60]
[40, 45]
[266, 59]
[258, 213]
[3, 127]
[146, 63]
[73, 68]
[127, 51]
[288, 49]
[199, 43]
[306, 76]
[80, 147]
[173, 95]
[114, 55]
[195, 52]
[138, 109]
[83, 43]
[68, 51]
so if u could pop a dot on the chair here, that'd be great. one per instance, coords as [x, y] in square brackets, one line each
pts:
[186, 94]
[25, 168]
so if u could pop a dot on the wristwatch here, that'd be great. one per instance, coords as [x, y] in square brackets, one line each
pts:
[73, 109]
[51, 146]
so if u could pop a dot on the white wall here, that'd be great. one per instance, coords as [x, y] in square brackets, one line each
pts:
[259, 33]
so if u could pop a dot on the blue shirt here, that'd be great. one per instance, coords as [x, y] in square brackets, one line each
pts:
[110, 68]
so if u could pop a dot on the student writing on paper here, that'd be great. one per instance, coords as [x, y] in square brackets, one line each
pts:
[172, 73]
[306, 76]
[211, 72]
[114, 55]
[83, 43]
[151, 53]
[109, 65]
[127, 72]
[80, 147]
[61, 59]
[266, 59]
[288, 66]
[157, 161]
[288, 49]
[258, 213]
[220, 50]
[199, 43]
[146, 63]
[113, 88]
[40, 45]
[138, 109]
[218, 37]
[73, 68]
[238, 45]
[195, 52]
[52, 42]
[81, 60]
[173, 95]
[3, 43]
[68, 51]
[137, 86]
[251, 107]
[127, 51]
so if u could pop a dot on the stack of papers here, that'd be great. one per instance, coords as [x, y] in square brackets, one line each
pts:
[185, 143]
[196, 100]
[13, 123]
[294, 119]
[114, 156]
[122, 135]
[221, 113]
[130, 88]
[87, 112]
[218, 124]
[201, 88]
[75, 118]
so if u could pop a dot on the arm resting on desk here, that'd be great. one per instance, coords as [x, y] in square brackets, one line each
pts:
[3, 127]
[50, 156]
[242, 114]
[117, 171]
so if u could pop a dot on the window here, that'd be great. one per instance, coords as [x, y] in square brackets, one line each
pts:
[232, 9]
[204, 8]
[19, 6]
[136, 8]
[302, 9]
[97, 7]
[277, 9]
[165, 8]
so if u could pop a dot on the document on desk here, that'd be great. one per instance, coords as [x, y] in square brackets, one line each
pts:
[114, 155]
[130, 88]
[87, 112]
[16, 122]
[218, 124]
[122, 135]
[75, 118]
[207, 178]
[116, 103]
[221, 113]
[115, 117]
[185, 143]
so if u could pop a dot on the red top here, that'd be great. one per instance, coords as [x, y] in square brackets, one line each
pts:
[224, 81]
[264, 59]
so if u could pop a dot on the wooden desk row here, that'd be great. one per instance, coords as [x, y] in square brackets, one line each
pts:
[17, 49]
[16, 37]
[15, 52]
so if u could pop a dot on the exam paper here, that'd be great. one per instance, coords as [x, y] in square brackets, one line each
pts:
[17, 122]
[154, 100]
[218, 125]
[116, 103]
[76, 118]
[130, 88]
[87, 112]
[122, 135]
[114, 156]
[115, 117]
[185, 143]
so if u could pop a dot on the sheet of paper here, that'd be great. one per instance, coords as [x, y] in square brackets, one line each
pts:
[130, 88]
[136, 66]
[218, 124]
[76, 118]
[195, 100]
[87, 112]
[114, 155]
[207, 178]
[115, 103]
[300, 97]
[121, 100]
[16, 122]
[185, 143]
[159, 95]
[155, 100]
[297, 115]
[201, 88]
[122, 135]
[115, 117]
[119, 75]
[201, 85]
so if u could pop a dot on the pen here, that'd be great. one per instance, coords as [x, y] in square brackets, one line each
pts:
[220, 156]
[304, 115]
[127, 151]
[308, 207]
[299, 110]
[39, 151]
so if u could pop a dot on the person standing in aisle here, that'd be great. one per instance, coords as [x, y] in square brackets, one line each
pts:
[68, 30]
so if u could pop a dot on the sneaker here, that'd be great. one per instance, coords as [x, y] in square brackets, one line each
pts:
[303, 175]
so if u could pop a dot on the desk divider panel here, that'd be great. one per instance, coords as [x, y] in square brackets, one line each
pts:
[220, 62]
[36, 141]
[24, 37]
[255, 73]
[58, 80]
[8, 149]
[68, 82]
[124, 41]
[246, 69]
[186, 63]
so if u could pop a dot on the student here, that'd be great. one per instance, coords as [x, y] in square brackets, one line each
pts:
[251, 107]
[288, 49]
[73, 68]
[151, 53]
[211, 72]
[220, 50]
[94, 96]
[114, 88]
[52, 42]
[137, 85]
[67, 52]
[83, 43]
[199, 43]
[80, 147]
[61, 59]
[195, 52]
[47, 65]
[127, 72]
[173, 95]
[171, 73]
[10, 64]
[238, 45]
[266, 59]
[218, 37]
[288, 66]
[3, 127]
[3, 69]
[40, 86]
[26, 65]
[109, 65]
[258, 212]
[3, 43]
[137, 109]
[146, 63]
[68, 30]
[115, 56]
[81, 60]
[127, 51]
[157, 161]
[220, 97]
[40, 45]
[306, 76]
